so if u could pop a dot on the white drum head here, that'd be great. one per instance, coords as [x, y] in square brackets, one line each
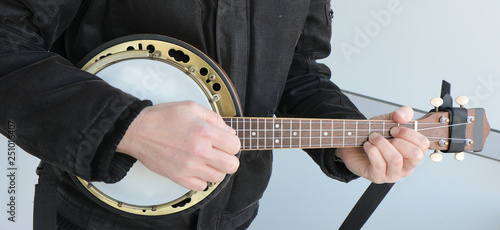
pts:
[159, 82]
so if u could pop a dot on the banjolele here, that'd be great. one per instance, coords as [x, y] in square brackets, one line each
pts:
[163, 69]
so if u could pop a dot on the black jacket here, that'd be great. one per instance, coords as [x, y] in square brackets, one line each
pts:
[268, 48]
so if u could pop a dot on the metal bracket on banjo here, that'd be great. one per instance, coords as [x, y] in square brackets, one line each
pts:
[206, 74]
[208, 78]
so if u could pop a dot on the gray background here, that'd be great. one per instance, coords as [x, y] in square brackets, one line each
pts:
[402, 59]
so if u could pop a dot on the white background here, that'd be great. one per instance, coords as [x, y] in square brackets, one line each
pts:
[400, 59]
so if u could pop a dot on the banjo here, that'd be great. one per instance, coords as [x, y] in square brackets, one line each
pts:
[163, 69]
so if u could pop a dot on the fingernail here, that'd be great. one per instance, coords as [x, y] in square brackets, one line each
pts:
[394, 131]
[373, 136]
[401, 112]
[232, 130]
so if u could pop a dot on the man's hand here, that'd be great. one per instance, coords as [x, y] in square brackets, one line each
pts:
[183, 141]
[386, 161]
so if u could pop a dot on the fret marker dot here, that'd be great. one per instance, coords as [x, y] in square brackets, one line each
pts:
[253, 133]
[277, 126]
[349, 133]
[277, 141]
[326, 133]
[295, 133]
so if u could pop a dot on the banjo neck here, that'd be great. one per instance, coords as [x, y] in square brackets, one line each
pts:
[258, 133]
[303, 133]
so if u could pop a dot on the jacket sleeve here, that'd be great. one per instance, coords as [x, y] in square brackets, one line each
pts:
[62, 115]
[309, 92]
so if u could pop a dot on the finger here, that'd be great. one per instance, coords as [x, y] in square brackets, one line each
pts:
[411, 136]
[220, 134]
[412, 155]
[194, 173]
[222, 161]
[209, 116]
[203, 175]
[193, 183]
[186, 174]
[209, 174]
[377, 172]
[390, 154]
[402, 115]
[226, 142]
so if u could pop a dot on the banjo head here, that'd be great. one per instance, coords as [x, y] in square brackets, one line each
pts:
[160, 69]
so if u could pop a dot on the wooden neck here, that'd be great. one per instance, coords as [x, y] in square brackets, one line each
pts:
[298, 133]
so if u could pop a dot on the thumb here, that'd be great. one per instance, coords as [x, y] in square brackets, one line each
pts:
[402, 115]
[212, 118]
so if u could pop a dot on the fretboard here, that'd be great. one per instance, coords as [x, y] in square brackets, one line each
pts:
[293, 133]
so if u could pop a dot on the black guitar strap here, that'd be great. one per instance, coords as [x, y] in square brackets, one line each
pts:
[365, 206]
[44, 210]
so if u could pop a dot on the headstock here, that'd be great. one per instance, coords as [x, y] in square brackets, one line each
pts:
[454, 129]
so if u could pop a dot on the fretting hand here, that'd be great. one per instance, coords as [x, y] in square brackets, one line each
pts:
[386, 161]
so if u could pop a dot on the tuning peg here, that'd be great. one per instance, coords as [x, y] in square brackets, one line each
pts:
[436, 102]
[459, 156]
[436, 156]
[462, 100]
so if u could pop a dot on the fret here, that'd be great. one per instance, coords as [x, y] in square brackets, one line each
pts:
[295, 133]
[383, 128]
[364, 129]
[265, 133]
[281, 136]
[305, 134]
[310, 133]
[331, 135]
[262, 133]
[326, 133]
[239, 133]
[343, 133]
[286, 127]
[257, 133]
[277, 131]
[231, 123]
[315, 133]
[300, 133]
[349, 131]
[269, 133]
[273, 134]
[291, 133]
[369, 127]
[250, 134]
[338, 134]
[254, 133]
[356, 139]
[320, 133]
[243, 121]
